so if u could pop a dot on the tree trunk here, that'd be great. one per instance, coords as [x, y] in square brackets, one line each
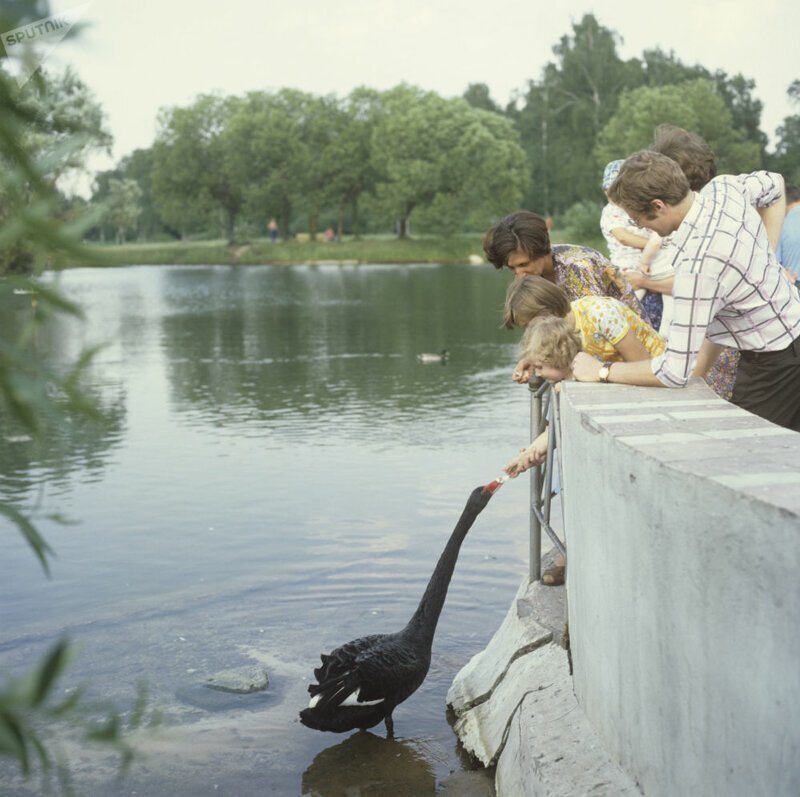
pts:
[313, 223]
[230, 226]
[356, 220]
[402, 227]
[340, 222]
[286, 215]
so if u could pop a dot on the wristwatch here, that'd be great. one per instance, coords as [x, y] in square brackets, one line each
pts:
[605, 372]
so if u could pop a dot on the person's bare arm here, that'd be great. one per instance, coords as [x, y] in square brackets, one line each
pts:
[649, 252]
[529, 457]
[632, 349]
[638, 280]
[629, 238]
[706, 357]
[586, 368]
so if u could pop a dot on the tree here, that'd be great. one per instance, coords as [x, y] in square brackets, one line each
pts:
[124, 206]
[442, 160]
[267, 153]
[478, 96]
[352, 170]
[562, 113]
[737, 94]
[138, 166]
[664, 69]
[54, 123]
[693, 105]
[192, 179]
[786, 158]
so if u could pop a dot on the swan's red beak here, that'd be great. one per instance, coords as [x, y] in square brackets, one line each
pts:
[495, 485]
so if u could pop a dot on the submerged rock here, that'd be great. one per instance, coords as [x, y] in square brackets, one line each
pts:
[242, 681]
[241, 688]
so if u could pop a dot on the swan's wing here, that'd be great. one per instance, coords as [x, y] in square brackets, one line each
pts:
[391, 671]
[340, 679]
[343, 658]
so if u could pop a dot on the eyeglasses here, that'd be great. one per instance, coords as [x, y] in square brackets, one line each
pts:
[634, 222]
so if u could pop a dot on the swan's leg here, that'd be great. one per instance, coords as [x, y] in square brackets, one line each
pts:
[389, 726]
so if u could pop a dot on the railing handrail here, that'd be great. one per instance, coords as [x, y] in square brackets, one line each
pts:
[541, 479]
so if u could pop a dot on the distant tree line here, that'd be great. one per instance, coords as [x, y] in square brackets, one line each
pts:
[373, 160]
[381, 161]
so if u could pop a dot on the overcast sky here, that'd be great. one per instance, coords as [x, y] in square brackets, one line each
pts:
[138, 57]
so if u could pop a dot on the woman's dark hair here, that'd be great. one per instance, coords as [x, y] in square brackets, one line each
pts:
[520, 230]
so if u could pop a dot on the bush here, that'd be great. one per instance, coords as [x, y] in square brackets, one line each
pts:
[581, 222]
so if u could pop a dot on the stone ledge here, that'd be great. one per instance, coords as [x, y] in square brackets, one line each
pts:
[550, 748]
[518, 634]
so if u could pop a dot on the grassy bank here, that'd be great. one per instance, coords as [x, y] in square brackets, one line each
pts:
[262, 251]
[370, 249]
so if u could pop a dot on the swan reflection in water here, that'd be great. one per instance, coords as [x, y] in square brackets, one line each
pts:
[366, 765]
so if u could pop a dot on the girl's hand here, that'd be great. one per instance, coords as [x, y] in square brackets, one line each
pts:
[529, 457]
[522, 372]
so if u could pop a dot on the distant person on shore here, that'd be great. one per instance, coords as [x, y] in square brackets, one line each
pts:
[329, 234]
[630, 247]
[789, 243]
[729, 288]
[272, 229]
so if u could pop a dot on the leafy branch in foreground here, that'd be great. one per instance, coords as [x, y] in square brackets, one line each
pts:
[28, 714]
[44, 133]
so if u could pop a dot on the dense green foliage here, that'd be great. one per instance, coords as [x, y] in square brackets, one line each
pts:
[407, 158]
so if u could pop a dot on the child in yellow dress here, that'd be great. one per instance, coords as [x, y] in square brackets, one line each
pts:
[557, 329]
[608, 329]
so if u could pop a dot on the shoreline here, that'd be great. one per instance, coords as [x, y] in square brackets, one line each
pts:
[466, 249]
[350, 252]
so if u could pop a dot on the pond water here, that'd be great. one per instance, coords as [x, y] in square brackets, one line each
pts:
[275, 474]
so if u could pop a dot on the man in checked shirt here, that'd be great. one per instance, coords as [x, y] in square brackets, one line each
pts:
[729, 288]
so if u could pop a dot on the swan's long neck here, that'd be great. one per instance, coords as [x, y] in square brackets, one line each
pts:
[430, 606]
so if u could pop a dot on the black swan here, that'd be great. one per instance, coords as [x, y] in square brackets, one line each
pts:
[360, 683]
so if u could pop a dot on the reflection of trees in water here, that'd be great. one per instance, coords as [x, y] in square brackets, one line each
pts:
[308, 340]
[366, 765]
[79, 443]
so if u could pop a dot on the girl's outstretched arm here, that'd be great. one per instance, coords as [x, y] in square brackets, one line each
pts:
[529, 457]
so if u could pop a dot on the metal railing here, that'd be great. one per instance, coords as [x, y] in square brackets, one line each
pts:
[544, 412]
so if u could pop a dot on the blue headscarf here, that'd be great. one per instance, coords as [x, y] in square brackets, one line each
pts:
[610, 173]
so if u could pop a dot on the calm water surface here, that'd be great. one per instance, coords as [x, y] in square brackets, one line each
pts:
[275, 475]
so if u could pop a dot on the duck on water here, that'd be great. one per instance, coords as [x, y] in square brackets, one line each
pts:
[360, 683]
[428, 358]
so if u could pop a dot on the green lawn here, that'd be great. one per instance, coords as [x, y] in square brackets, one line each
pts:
[369, 249]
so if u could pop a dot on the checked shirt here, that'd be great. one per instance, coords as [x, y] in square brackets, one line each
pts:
[729, 286]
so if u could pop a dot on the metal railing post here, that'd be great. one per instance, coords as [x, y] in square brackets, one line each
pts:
[535, 537]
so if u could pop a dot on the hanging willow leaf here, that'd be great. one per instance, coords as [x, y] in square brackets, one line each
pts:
[31, 535]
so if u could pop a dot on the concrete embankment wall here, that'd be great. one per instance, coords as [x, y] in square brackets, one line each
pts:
[682, 515]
